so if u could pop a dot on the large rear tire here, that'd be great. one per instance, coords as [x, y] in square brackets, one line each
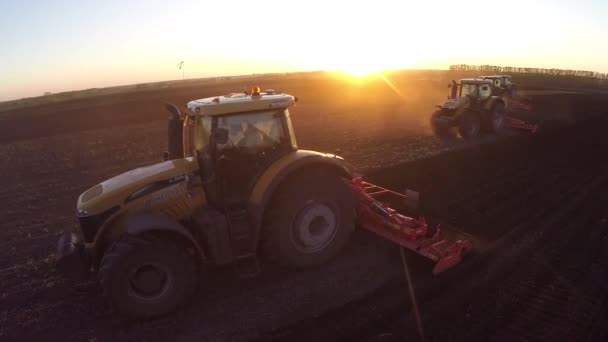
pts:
[309, 220]
[496, 118]
[470, 125]
[144, 276]
[438, 130]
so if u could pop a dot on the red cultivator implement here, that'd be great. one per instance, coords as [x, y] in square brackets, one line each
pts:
[522, 103]
[405, 231]
[520, 124]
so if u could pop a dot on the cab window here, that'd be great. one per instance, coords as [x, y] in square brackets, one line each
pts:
[254, 132]
[468, 89]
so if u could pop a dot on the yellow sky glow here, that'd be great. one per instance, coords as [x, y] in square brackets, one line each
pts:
[143, 42]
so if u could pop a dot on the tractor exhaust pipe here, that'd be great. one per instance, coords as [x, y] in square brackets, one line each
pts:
[175, 144]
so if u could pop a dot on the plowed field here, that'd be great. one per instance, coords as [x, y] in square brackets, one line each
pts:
[535, 207]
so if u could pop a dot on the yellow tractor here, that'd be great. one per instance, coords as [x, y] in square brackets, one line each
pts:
[233, 184]
[472, 108]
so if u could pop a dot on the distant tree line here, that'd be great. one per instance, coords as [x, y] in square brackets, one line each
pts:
[538, 71]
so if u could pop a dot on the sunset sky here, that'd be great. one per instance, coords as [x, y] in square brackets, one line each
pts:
[66, 45]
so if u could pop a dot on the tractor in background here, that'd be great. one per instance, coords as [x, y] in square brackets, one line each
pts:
[473, 108]
[504, 87]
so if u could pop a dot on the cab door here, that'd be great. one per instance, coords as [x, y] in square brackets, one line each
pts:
[255, 141]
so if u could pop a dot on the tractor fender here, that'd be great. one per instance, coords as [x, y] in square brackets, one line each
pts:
[277, 173]
[139, 223]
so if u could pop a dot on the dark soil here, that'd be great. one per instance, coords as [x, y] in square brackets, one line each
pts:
[532, 204]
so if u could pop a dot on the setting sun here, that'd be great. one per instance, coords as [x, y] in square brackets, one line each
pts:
[367, 65]
[360, 40]
[359, 72]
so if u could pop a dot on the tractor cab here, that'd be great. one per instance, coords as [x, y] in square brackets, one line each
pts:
[501, 84]
[234, 138]
[475, 89]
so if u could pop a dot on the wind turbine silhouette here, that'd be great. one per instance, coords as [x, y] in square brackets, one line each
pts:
[181, 66]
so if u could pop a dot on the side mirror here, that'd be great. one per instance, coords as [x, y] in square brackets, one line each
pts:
[220, 136]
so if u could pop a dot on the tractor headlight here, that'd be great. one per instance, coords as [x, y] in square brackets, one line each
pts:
[90, 223]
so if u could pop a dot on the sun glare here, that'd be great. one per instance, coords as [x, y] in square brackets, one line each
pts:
[359, 68]
[360, 72]
[369, 65]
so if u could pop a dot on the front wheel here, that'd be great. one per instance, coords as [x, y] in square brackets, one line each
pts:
[144, 276]
[309, 220]
[438, 129]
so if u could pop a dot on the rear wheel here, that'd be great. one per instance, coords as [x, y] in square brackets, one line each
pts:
[496, 119]
[438, 130]
[470, 125]
[309, 220]
[144, 276]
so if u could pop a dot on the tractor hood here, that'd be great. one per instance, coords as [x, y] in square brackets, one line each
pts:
[456, 103]
[115, 191]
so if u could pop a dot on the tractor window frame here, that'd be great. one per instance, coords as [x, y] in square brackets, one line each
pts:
[290, 130]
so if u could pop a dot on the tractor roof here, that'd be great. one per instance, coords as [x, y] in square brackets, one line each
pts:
[239, 102]
[475, 81]
[494, 76]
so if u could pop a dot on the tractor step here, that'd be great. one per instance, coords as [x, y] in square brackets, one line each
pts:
[408, 232]
[247, 266]
[245, 258]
